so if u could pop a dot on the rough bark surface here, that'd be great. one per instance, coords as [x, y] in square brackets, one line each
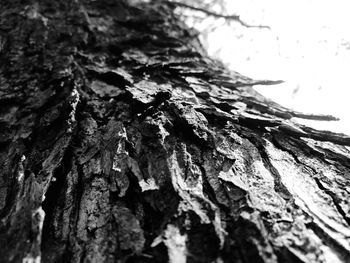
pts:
[121, 141]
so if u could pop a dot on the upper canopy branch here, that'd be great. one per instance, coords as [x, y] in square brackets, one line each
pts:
[235, 18]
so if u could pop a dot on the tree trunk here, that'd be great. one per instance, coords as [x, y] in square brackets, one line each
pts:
[121, 141]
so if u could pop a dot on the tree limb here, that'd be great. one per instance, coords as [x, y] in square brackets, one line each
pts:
[235, 18]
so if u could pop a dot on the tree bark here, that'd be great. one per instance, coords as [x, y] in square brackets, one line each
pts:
[121, 141]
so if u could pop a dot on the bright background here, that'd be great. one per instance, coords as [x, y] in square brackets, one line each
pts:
[308, 47]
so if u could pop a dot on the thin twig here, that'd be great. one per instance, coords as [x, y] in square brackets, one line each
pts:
[235, 18]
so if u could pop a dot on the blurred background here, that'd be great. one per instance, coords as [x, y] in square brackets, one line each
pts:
[307, 45]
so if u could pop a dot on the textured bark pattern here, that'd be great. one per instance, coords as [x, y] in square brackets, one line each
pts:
[121, 141]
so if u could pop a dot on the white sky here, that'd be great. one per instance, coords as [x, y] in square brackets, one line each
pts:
[308, 47]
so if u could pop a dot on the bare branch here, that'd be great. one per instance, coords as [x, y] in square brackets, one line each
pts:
[235, 18]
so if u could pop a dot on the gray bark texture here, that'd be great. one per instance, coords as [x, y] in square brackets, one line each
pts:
[121, 141]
